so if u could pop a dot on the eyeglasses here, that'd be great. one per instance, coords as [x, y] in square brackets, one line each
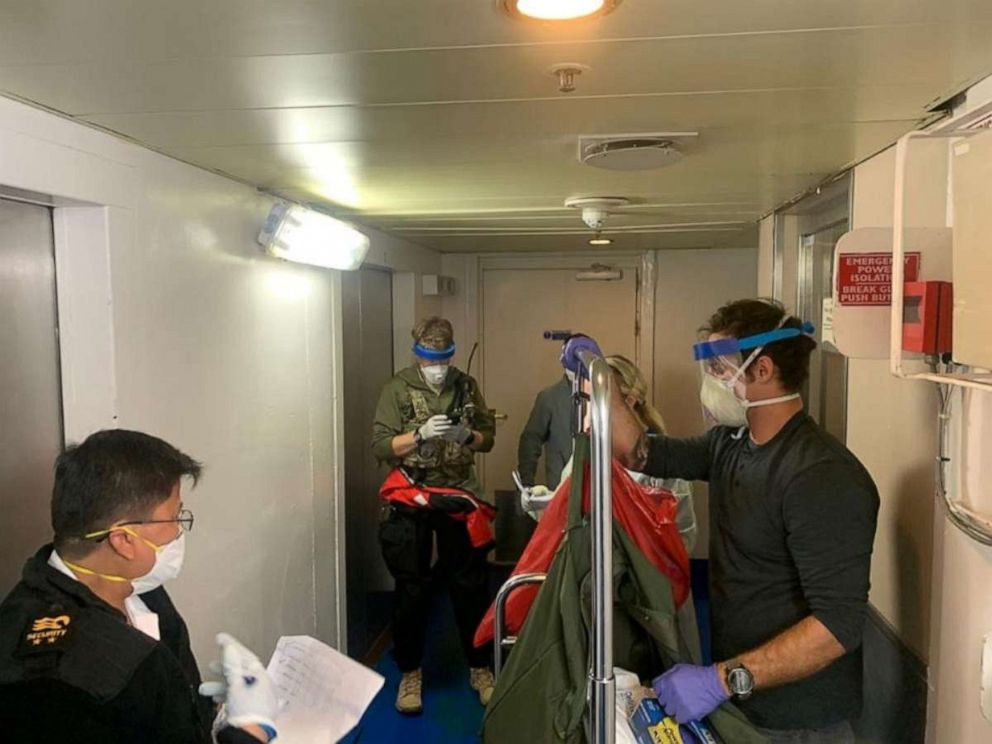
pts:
[184, 520]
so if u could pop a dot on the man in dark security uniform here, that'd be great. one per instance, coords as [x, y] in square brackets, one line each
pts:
[91, 647]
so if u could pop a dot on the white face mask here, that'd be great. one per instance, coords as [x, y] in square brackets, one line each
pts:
[726, 405]
[570, 375]
[435, 374]
[168, 564]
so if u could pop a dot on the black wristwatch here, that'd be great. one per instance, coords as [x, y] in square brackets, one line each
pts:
[739, 680]
[417, 437]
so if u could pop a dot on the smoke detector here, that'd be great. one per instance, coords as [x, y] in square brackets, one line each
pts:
[595, 209]
[632, 152]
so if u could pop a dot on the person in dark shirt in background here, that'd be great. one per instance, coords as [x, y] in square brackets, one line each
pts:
[792, 520]
[551, 427]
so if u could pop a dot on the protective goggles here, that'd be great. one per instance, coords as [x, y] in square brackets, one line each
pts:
[434, 355]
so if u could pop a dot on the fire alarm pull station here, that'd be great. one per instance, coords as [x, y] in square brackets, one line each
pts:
[926, 319]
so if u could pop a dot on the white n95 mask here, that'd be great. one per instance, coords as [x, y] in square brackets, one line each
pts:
[168, 564]
[435, 374]
[721, 406]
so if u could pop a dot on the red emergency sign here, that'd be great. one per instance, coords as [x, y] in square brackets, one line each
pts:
[866, 278]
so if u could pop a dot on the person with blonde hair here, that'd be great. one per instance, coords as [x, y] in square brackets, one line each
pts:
[634, 391]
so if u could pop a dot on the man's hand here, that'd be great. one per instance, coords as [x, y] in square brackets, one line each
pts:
[252, 703]
[690, 693]
[436, 426]
[460, 434]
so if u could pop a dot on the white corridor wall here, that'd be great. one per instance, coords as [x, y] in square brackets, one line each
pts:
[173, 323]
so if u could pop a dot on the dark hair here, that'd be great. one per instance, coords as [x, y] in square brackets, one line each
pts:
[114, 475]
[747, 317]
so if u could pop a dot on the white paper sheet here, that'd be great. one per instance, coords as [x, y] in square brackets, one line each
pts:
[323, 692]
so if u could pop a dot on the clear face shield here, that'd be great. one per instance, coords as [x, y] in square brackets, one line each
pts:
[723, 364]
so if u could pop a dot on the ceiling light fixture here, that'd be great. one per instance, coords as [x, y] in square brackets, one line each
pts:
[600, 240]
[295, 233]
[558, 10]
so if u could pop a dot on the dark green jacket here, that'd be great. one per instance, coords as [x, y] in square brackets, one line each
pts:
[406, 402]
[541, 693]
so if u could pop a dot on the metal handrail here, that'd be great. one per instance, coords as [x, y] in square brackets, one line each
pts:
[500, 641]
[602, 685]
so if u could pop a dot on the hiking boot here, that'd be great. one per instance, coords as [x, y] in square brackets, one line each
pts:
[408, 698]
[481, 680]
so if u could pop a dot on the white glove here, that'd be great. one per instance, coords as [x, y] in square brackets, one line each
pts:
[459, 433]
[250, 695]
[535, 499]
[436, 426]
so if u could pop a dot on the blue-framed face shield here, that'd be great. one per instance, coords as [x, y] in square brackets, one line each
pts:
[434, 355]
[723, 362]
[728, 357]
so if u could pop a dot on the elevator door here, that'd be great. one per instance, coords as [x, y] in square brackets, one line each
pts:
[368, 365]
[30, 397]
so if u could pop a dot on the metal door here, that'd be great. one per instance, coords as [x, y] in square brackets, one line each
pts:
[368, 365]
[519, 307]
[30, 390]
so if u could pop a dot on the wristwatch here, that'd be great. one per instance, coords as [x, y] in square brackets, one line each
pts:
[417, 437]
[739, 680]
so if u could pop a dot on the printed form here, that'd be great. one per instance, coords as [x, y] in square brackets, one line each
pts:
[323, 693]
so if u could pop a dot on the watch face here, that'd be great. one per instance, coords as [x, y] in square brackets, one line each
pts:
[740, 681]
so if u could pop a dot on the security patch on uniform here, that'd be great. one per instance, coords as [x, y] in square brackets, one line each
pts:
[48, 633]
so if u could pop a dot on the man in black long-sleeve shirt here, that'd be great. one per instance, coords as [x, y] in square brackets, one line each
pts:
[792, 521]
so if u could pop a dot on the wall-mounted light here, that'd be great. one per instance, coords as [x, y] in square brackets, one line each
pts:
[295, 233]
[558, 10]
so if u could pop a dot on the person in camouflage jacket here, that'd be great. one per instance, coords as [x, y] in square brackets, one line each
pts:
[430, 421]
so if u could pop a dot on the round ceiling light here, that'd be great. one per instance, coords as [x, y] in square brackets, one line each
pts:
[558, 10]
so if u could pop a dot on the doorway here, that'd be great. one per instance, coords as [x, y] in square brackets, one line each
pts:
[524, 313]
[368, 365]
[805, 236]
[825, 391]
[31, 433]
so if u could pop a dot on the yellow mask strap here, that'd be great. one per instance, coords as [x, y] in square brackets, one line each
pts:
[88, 572]
[128, 530]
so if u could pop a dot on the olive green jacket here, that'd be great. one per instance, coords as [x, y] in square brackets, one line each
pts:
[542, 692]
[406, 402]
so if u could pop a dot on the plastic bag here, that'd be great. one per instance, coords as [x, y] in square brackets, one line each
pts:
[646, 513]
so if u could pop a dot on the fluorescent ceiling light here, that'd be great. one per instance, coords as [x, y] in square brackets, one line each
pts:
[295, 233]
[600, 241]
[558, 10]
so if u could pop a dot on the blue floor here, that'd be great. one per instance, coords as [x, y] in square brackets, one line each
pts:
[452, 712]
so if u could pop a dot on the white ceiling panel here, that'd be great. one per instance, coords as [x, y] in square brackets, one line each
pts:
[437, 119]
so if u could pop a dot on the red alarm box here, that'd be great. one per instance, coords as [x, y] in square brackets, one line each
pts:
[926, 317]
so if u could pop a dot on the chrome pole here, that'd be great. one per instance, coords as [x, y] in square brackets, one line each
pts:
[500, 640]
[602, 684]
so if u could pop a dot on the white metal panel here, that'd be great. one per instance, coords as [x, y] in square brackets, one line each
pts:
[972, 174]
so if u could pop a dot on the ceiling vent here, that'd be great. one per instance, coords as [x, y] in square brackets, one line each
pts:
[632, 152]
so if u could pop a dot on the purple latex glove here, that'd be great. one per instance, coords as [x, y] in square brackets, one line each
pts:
[690, 693]
[569, 352]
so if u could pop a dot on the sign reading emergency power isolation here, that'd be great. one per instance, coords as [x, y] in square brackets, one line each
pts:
[866, 278]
